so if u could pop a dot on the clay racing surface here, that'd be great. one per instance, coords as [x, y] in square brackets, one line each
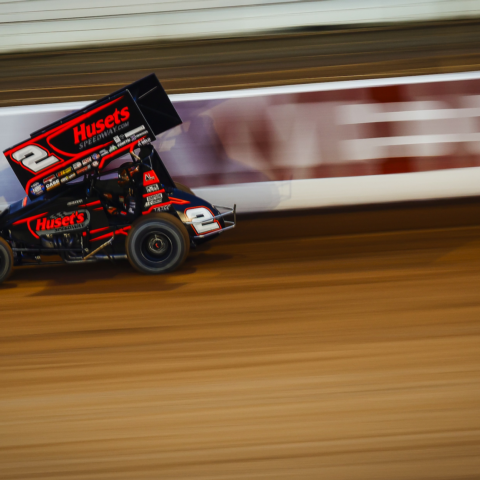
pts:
[334, 344]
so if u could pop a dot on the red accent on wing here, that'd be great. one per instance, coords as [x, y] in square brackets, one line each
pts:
[115, 152]
[76, 121]
[56, 131]
[61, 128]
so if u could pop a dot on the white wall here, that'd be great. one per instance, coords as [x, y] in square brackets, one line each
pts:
[198, 148]
[40, 24]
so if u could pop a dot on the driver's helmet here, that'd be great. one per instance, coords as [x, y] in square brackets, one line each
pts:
[126, 173]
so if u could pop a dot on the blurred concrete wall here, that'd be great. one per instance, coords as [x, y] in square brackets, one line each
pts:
[42, 24]
[312, 145]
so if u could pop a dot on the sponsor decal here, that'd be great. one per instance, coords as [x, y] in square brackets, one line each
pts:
[49, 179]
[149, 178]
[75, 202]
[162, 209]
[123, 143]
[112, 148]
[144, 141]
[132, 134]
[103, 152]
[77, 165]
[152, 200]
[67, 179]
[63, 222]
[53, 184]
[95, 164]
[84, 169]
[136, 132]
[37, 189]
[132, 138]
[86, 161]
[84, 131]
[103, 136]
[64, 172]
[96, 156]
[152, 188]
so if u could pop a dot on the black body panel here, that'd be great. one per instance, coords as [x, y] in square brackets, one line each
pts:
[95, 213]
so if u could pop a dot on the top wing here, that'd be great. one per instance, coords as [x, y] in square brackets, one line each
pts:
[93, 137]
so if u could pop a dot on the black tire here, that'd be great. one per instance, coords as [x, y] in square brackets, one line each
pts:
[183, 188]
[157, 243]
[6, 260]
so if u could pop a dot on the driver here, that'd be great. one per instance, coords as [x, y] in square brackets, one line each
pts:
[125, 203]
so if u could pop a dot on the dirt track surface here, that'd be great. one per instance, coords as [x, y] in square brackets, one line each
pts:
[244, 62]
[309, 356]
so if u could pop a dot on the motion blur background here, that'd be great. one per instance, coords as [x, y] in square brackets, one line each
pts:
[336, 332]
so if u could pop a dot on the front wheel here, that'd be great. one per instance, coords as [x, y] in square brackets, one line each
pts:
[6, 260]
[157, 243]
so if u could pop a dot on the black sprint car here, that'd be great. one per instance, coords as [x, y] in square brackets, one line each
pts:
[83, 211]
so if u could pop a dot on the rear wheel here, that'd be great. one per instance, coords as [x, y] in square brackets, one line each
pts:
[157, 243]
[183, 188]
[6, 260]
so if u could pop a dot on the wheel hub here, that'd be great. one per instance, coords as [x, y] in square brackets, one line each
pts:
[157, 245]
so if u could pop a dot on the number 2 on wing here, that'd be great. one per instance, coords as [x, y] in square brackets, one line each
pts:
[34, 158]
[200, 215]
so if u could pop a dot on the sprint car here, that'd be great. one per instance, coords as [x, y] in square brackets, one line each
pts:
[83, 207]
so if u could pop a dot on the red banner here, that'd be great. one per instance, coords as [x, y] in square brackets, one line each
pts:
[373, 130]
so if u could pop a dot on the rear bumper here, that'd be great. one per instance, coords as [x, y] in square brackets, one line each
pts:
[229, 224]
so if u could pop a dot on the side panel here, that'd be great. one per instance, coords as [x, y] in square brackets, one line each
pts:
[68, 215]
[190, 207]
